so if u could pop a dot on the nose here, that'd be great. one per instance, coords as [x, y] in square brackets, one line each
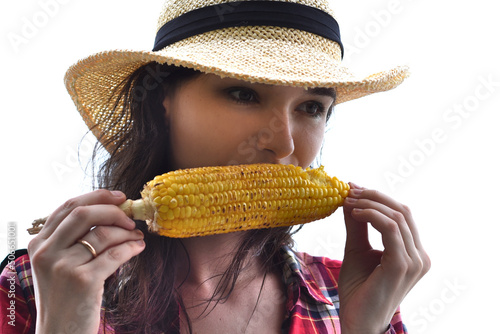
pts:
[277, 136]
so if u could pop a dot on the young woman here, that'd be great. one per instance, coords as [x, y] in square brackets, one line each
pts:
[227, 83]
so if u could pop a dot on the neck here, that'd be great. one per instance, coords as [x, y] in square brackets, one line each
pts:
[210, 257]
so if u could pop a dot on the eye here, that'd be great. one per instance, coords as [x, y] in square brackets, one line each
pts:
[312, 108]
[242, 95]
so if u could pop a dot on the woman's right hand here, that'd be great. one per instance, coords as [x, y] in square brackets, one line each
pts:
[68, 280]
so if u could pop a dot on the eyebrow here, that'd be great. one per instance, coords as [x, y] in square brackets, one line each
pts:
[323, 91]
[319, 91]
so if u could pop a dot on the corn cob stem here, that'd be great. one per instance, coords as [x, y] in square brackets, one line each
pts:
[212, 200]
[139, 209]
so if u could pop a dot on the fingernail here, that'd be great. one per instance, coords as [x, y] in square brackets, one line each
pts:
[356, 192]
[350, 200]
[139, 233]
[140, 242]
[117, 193]
[131, 222]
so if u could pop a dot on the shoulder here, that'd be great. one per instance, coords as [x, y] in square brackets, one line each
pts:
[11, 258]
[16, 264]
[320, 261]
[312, 283]
[16, 272]
[16, 293]
[319, 275]
[314, 265]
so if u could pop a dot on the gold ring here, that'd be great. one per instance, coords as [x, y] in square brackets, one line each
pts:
[89, 247]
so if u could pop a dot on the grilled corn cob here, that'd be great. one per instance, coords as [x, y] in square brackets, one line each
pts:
[213, 200]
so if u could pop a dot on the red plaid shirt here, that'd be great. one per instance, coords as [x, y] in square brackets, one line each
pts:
[312, 298]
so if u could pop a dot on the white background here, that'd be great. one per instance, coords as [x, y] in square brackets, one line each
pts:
[432, 143]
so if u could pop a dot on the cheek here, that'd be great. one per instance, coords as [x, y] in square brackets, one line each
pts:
[309, 142]
[190, 140]
[205, 136]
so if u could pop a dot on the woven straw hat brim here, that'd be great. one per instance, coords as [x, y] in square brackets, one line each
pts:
[254, 54]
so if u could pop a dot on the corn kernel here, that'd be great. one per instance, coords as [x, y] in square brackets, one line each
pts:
[211, 200]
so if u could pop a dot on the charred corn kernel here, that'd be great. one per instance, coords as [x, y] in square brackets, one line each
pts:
[212, 200]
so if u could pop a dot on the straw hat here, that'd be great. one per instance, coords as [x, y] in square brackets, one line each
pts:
[282, 42]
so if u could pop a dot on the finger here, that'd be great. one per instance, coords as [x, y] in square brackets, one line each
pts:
[357, 232]
[420, 261]
[393, 204]
[391, 235]
[101, 238]
[391, 214]
[100, 196]
[79, 222]
[106, 263]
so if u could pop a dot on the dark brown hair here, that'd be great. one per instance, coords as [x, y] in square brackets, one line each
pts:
[141, 297]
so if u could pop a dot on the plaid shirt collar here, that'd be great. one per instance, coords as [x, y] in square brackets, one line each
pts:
[296, 274]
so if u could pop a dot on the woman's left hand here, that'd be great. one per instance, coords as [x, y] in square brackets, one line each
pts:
[373, 283]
